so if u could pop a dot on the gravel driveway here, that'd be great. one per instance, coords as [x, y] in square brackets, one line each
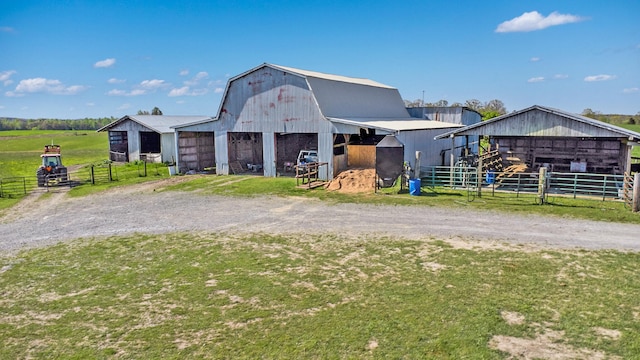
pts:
[41, 222]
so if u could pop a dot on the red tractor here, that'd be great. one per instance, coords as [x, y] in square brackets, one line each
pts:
[51, 172]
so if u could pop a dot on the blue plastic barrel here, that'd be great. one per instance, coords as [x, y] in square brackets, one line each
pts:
[414, 187]
[490, 177]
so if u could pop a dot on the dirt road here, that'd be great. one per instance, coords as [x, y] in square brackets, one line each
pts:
[41, 222]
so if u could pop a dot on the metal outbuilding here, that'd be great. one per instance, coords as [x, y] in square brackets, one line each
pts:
[145, 137]
[561, 141]
[271, 112]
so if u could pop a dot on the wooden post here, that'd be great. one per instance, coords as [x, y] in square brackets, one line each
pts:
[451, 161]
[93, 178]
[542, 184]
[635, 203]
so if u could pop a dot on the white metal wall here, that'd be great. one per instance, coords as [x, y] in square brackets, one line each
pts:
[432, 150]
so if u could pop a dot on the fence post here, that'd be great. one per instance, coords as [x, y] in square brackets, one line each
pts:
[145, 169]
[542, 184]
[24, 185]
[93, 178]
[635, 207]
[479, 176]
[110, 174]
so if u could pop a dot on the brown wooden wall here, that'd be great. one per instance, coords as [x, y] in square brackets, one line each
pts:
[599, 155]
[196, 150]
[361, 156]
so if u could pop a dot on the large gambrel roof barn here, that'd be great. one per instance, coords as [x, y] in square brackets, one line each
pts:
[269, 113]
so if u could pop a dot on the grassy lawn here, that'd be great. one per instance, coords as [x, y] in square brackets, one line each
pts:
[20, 150]
[500, 201]
[242, 296]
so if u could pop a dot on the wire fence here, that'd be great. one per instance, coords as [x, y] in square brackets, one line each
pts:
[601, 186]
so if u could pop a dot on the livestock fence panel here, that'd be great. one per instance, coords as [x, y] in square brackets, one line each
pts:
[601, 186]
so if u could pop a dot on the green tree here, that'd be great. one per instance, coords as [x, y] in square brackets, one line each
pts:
[156, 111]
[474, 104]
[495, 105]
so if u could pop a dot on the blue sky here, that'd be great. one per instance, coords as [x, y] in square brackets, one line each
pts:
[76, 59]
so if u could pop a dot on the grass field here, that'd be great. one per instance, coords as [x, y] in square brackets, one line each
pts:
[246, 297]
[20, 150]
[224, 295]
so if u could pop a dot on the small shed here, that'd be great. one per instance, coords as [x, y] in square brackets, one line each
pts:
[145, 137]
[558, 140]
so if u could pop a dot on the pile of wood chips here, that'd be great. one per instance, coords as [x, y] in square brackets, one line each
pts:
[353, 181]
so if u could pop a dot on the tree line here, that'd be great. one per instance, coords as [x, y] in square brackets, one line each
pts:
[54, 124]
[488, 109]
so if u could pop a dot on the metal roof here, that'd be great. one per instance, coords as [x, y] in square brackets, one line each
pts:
[480, 128]
[338, 96]
[394, 125]
[161, 124]
[319, 75]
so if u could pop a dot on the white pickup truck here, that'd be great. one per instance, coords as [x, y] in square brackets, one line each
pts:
[307, 156]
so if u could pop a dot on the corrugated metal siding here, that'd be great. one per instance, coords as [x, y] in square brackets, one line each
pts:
[269, 100]
[432, 150]
[454, 115]
[269, 154]
[221, 143]
[541, 121]
[325, 154]
[133, 130]
[167, 147]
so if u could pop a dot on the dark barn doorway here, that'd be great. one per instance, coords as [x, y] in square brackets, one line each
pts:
[245, 152]
[150, 142]
[289, 145]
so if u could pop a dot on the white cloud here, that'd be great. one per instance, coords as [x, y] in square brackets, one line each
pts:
[42, 85]
[535, 59]
[6, 29]
[184, 72]
[219, 90]
[602, 77]
[186, 91]
[105, 63]
[631, 90]
[532, 21]
[188, 88]
[136, 92]
[124, 107]
[202, 75]
[536, 79]
[145, 87]
[116, 81]
[179, 92]
[152, 84]
[116, 92]
[5, 77]
[560, 76]
[90, 104]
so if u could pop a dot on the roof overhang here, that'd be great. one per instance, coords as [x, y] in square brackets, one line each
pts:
[481, 127]
[395, 125]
